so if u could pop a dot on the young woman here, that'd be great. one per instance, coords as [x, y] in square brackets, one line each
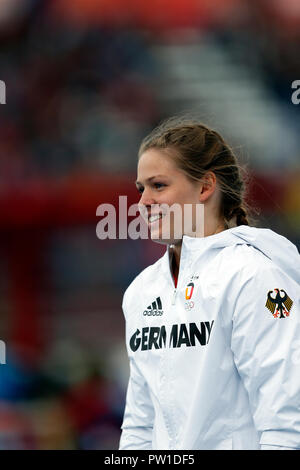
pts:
[213, 327]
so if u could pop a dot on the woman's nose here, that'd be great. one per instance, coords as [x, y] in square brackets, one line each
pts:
[145, 203]
[146, 198]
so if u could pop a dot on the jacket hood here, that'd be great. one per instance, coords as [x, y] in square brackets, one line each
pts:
[276, 247]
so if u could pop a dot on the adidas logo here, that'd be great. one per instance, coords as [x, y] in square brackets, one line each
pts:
[154, 309]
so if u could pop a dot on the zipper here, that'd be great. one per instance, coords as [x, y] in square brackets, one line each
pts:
[174, 296]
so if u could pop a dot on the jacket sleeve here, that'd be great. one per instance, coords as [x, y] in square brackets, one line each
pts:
[266, 348]
[138, 417]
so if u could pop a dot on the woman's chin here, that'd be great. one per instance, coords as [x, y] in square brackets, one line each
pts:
[158, 237]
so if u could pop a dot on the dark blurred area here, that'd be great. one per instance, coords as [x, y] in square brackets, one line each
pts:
[86, 80]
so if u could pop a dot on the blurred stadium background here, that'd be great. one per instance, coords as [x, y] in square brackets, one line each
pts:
[85, 81]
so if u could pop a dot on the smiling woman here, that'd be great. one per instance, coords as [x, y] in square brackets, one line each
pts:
[187, 164]
[200, 322]
[198, 151]
[167, 197]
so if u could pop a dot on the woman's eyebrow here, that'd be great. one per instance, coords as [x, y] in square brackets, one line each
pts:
[151, 178]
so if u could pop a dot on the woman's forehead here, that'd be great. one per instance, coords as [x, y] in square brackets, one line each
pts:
[156, 160]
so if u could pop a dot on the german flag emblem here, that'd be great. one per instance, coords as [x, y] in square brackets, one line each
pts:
[279, 305]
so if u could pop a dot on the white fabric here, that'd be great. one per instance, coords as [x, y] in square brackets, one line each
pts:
[216, 370]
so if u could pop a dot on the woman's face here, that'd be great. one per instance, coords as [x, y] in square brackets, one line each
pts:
[161, 184]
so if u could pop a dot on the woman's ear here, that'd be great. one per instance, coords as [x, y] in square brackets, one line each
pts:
[208, 186]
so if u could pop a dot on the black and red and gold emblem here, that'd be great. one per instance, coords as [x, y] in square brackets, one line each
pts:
[280, 305]
[188, 295]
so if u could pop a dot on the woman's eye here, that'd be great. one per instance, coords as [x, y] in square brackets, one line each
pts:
[159, 185]
[154, 185]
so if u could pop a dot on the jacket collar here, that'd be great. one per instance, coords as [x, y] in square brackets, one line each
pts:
[191, 244]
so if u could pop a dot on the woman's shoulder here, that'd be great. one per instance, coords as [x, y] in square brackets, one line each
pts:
[248, 260]
[245, 255]
[243, 262]
[258, 249]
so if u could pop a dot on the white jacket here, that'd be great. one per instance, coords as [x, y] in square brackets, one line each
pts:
[215, 363]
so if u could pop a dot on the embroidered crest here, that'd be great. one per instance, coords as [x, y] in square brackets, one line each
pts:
[280, 304]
